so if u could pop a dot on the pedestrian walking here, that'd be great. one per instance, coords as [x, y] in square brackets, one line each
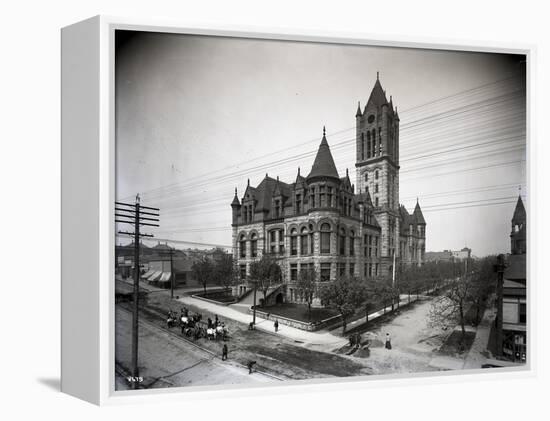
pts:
[388, 341]
[250, 365]
[276, 325]
[224, 352]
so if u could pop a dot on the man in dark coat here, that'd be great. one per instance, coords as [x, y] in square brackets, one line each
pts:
[224, 352]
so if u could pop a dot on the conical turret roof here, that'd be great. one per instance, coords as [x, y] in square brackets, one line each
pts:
[235, 199]
[418, 214]
[519, 213]
[323, 166]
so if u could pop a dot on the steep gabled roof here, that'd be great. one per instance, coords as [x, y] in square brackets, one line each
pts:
[346, 182]
[266, 191]
[364, 197]
[323, 166]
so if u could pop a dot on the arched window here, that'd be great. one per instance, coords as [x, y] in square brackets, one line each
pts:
[273, 241]
[366, 177]
[362, 146]
[325, 238]
[368, 145]
[311, 244]
[242, 245]
[352, 243]
[254, 245]
[342, 241]
[293, 242]
[303, 242]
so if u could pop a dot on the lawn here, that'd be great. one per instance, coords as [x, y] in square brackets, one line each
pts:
[219, 296]
[298, 312]
[454, 346]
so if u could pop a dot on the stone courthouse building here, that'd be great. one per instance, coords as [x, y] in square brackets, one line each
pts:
[321, 220]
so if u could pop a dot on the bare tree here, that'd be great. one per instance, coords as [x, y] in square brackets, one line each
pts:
[225, 272]
[265, 273]
[203, 269]
[344, 295]
[452, 305]
[306, 284]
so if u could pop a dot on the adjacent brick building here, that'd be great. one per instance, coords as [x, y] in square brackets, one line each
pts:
[321, 221]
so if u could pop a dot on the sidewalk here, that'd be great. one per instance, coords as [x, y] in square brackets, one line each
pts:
[403, 301]
[477, 355]
[320, 341]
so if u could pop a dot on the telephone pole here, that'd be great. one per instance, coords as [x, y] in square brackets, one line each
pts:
[131, 213]
[172, 274]
[499, 268]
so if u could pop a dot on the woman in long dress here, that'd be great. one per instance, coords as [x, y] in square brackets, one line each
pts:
[388, 341]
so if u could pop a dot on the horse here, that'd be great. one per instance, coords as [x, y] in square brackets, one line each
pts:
[211, 333]
[171, 319]
[221, 331]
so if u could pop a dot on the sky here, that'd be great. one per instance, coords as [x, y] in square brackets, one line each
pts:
[197, 116]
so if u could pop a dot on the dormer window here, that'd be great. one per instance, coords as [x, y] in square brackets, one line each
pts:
[298, 203]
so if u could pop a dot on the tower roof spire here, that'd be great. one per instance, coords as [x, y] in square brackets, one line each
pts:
[519, 213]
[417, 214]
[358, 113]
[323, 166]
[377, 96]
[235, 201]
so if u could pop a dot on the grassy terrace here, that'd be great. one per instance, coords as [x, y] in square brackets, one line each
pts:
[298, 312]
[223, 297]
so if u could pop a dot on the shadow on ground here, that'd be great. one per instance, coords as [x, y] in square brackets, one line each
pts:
[52, 383]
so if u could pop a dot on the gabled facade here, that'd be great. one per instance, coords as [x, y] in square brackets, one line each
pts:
[321, 221]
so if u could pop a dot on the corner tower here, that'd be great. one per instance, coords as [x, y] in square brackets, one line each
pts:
[377, 166]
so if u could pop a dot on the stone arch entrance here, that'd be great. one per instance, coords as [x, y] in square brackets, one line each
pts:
[279, 299]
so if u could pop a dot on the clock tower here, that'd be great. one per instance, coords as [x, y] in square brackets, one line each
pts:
[377, 167]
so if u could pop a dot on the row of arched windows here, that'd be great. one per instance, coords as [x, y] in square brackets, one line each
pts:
[373, 145]
[253, 245]
[301, 241]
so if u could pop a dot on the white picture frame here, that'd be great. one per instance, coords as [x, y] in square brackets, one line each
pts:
[88, 195]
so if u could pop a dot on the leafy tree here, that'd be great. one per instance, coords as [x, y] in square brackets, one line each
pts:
[265, 273]
[371, 299]
[344, 295]
[225, 272]
[203, 269]
[383, 291]
[307, 285]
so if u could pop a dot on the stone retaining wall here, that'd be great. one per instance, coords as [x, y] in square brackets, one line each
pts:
[310, 327]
